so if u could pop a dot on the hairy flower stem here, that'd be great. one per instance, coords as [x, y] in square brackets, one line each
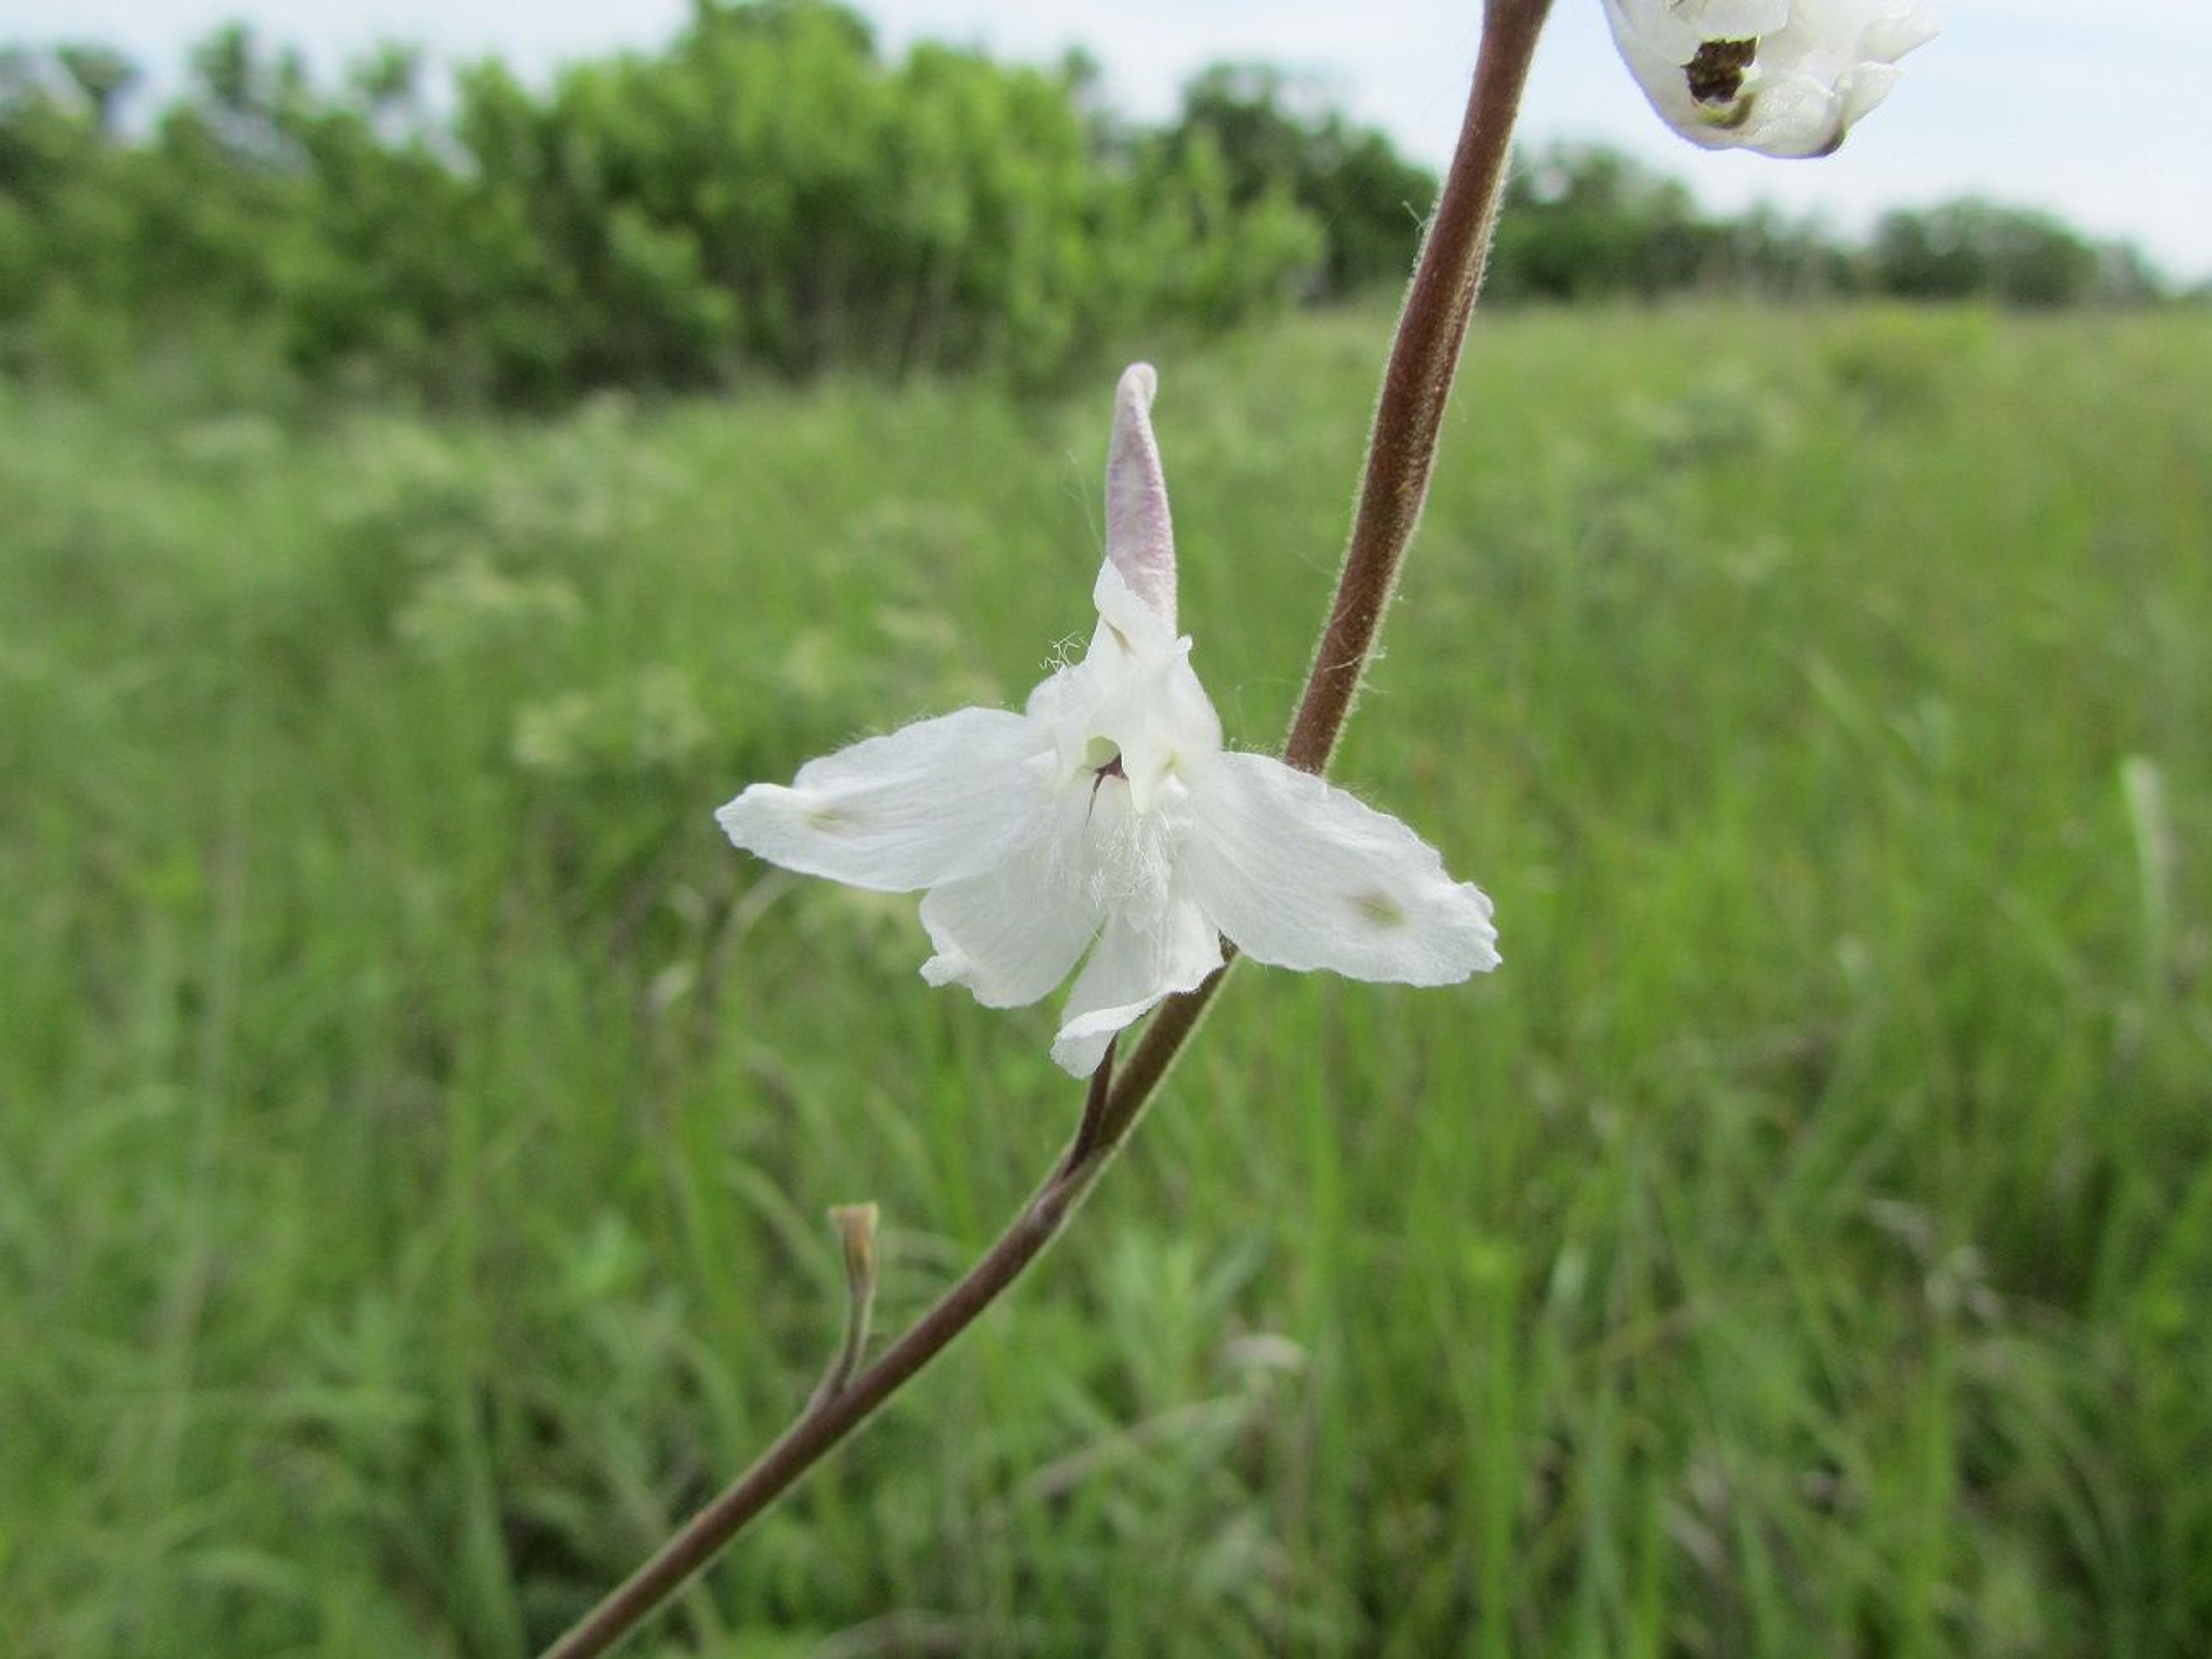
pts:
[1424, 357]
[1417, 381]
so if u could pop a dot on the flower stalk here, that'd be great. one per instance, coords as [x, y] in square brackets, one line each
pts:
[1417, 381]
[1401, 452]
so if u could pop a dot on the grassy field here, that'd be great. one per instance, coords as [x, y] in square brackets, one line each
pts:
[415, 1122]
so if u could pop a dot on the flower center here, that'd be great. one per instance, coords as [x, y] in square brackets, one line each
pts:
[1715, 74]
[1111, 767]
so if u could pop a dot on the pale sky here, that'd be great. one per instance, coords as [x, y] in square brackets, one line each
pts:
[2102, 112]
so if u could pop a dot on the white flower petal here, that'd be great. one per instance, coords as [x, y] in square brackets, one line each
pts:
[1126, 621]
[1302, 875]
[932, 802]
[1140, 959]
[1799, 117]
[1167, 730]
[1898, 30]
[1678, 27]
[1133, 697]
[1732, 20]
[1139, 535]
[1011, 934]
[1867, 86]
[1126, 649]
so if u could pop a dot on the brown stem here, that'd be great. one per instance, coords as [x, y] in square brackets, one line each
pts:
[1417, 384]
[1095, 1103]
[1424, 357]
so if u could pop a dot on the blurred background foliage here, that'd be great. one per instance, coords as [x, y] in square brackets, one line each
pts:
[769, 195]
[415, 1120]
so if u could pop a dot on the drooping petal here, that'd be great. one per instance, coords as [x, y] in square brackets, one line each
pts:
[1866, 88]
[1140, 958]
[1299, 873]
[1140, 536]
[1835, 60]
[1011, 934]
[932, 802]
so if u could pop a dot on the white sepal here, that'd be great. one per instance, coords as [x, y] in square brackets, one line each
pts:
[1140, 960]
[1303, 874]
[924, 805]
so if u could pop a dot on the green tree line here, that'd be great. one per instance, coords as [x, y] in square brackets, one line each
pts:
[769, 194]
[772, 194]
[1583, 222]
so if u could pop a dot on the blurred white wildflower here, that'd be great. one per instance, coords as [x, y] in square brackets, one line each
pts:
[1787, 77]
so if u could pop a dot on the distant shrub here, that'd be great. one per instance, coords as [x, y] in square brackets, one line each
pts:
[1276, 135]
[766, 195]
[1583, 222]
[1978, 249]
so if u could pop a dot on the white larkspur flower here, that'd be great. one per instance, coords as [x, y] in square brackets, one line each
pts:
[1106, 817]
[1787, 77]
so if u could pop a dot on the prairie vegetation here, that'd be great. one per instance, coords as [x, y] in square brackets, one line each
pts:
[418, 1122]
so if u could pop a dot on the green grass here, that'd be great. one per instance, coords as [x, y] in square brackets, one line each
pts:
[416, 1123]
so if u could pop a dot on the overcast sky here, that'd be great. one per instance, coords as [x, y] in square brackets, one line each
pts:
[2102, 112]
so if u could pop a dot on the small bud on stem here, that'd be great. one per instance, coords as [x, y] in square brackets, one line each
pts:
[856, 1231]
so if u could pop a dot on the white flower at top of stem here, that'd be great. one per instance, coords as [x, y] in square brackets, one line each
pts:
[1786, 77]
[1106, 818]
